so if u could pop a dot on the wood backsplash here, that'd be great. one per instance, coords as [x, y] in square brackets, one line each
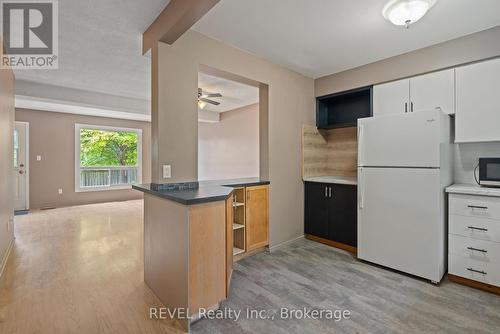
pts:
[329, 152]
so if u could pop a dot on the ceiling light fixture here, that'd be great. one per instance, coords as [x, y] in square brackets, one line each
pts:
[201, 104]
[406, 12]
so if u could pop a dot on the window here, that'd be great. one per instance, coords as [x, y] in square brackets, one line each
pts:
[107, 158]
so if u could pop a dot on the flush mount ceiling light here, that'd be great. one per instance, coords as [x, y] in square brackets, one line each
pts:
[406, 12]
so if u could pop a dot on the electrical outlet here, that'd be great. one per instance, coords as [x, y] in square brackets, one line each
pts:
[59, 191]
[167, 171]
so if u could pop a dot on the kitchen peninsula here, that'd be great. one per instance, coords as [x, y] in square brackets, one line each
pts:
[190, 235]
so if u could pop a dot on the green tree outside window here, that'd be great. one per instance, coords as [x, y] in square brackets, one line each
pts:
[99, 148]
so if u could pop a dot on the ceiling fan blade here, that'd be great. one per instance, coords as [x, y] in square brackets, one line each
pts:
[215, 103]
[211, 95]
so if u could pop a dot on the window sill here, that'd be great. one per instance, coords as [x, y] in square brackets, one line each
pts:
[93, 189]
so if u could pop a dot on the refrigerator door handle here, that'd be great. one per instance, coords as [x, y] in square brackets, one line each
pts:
[361, 188]
[361, 131]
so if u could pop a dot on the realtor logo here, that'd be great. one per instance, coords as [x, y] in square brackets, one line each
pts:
[29, 31]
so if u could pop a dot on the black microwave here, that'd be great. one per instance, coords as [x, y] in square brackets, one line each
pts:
[489, 172]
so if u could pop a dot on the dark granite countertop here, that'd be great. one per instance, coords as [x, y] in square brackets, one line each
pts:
[189, 193]
[234, 183]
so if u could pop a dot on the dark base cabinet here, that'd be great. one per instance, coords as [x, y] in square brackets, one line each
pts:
[331, 212]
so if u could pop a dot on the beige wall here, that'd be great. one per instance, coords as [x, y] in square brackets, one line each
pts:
[175, 130]
[229, 149]
[478, 46]
[6, 170]
[52, 135]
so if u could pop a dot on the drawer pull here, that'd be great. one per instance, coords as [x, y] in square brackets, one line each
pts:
[477, 228]
[477, 249]
[477, 271]
[477, 207]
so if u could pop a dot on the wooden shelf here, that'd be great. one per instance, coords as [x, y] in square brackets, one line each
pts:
[237, 251]
[237, 226]
[237, 204]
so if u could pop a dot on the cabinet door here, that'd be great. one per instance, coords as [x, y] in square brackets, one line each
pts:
[229, 242]
[391, 98]
[433, 91]
[343, 215]
[477, 116]
[316, 209]
[257, 217]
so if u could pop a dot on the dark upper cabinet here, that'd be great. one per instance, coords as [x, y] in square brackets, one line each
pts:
[331, 212]
[343, 109]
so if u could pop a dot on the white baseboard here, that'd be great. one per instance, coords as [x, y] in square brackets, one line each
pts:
[6, 257]
[284, 243]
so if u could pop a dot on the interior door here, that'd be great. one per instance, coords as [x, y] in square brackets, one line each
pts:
[410, 140]
[316, 209]
[391, 98]
[21, 169]
[433, 91]
[400, 224]
[257, 217]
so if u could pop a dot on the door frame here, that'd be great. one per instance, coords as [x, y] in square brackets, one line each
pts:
[27, 162]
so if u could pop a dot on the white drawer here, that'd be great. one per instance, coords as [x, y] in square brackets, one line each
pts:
[477, 250]
[466, 267]
[476, 228]
[475, 206]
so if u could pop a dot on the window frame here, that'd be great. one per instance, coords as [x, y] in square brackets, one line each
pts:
[77, 152]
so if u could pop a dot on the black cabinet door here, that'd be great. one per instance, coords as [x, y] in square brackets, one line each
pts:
[316, 209]
[343, 221]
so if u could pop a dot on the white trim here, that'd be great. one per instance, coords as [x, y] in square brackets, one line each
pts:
[109, 128]
[3, 264]
[27, 161]
[284, 243]
[36, 103]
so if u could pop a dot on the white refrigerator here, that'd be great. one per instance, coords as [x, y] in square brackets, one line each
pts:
[404, 165]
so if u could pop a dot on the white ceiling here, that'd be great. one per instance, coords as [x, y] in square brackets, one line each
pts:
[234, 94]
[321, 37]
[100, 47]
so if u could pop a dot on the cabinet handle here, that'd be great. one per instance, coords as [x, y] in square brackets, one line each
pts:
[477, 249]
[477, 271]
[411, 106]
[477, 228]
[326, 191]
[477, 207]
[406, 106]
[330, 192]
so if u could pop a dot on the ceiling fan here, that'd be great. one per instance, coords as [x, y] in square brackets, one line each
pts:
[203, 98]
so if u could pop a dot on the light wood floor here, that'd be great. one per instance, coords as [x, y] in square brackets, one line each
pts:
[79, 270]
[306, 274]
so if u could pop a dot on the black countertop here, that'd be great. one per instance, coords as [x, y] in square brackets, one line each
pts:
[198, 192]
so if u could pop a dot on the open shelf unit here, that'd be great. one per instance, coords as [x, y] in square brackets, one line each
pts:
[237, 251]
[239, 246]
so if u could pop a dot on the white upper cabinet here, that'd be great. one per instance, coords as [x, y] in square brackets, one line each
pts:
[425, 92]
[478, 102]
[433, 91]
[391, 98]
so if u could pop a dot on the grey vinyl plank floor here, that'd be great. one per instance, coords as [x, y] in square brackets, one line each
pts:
[306, 274]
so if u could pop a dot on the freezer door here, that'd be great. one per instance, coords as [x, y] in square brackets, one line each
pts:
[408, 140]
[400, 224]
